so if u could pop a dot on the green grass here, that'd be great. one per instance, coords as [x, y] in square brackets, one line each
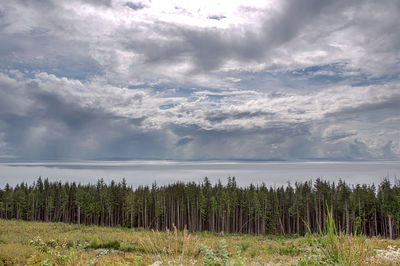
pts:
[338, 248]
[36, 243]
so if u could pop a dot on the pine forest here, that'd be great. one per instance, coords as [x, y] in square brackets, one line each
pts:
[294, 209]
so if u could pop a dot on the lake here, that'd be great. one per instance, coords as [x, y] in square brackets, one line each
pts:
[164, 172]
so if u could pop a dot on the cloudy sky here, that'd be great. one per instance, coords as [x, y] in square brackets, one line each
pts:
[117, 79]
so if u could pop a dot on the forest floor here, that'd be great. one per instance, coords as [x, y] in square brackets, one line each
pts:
[37, 243]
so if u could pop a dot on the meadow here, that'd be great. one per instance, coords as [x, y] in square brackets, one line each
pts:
[40, 243]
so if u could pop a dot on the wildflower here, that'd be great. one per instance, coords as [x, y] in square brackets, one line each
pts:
[390, 254]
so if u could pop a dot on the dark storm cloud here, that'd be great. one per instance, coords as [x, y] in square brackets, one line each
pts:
[371, 111]
[67, 129]
[73, 116]
[66, 137]
[99, 2]
[358, 150]
[392, 103]
[295, 15]
[241, 143]
[209, 48]
[388, 153]
[340, 135]
[279, 129]
[56, 117]
[218, 117]
[217, 17]
[135, 6]
[183, 141]
[43, 3]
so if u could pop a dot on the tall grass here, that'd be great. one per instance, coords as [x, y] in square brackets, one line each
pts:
[336, 247]
[26, 243]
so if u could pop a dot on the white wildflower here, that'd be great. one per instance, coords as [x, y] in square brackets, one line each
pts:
[157, 263]
[391, 253]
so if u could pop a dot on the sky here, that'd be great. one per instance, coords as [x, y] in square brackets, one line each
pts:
[164, 172]
[199, 80]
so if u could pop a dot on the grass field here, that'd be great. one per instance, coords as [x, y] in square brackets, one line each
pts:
[36, 243]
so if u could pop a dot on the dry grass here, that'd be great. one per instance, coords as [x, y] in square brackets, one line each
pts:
[34, 243]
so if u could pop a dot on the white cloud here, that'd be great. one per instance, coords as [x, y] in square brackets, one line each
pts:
[265, 78]
[193, 125]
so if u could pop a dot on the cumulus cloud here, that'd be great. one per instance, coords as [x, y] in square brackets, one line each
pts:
[46, 117]
[135, 6]
[121, 79]
[216, 17]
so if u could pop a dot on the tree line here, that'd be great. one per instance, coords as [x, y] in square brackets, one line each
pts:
[291, 209]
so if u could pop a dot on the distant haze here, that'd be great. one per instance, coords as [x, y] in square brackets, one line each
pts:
[164, 172]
